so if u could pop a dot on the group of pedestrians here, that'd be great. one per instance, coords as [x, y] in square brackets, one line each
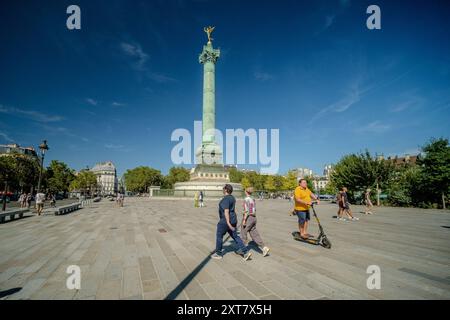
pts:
[228, 224]
[303, 199]
[25, 200]
[344, 205]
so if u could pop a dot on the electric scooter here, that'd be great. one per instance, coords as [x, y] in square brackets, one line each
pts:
[320, 240]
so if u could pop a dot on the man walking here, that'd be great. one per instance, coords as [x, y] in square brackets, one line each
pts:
[249, 222]
[40, 199]
[302, 200]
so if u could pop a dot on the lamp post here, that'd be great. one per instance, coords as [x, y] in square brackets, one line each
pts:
[4, 196]
[43, 147]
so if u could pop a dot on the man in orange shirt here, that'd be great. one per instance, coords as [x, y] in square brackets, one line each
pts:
[302, 199]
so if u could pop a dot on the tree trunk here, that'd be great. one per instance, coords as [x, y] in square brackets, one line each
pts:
[443, 201]
[378, 196]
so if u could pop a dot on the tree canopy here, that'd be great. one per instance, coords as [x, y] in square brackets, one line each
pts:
[141, 178]
[58, 177]
[176, 174]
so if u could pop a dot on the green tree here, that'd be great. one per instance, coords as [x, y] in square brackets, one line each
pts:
[330, 188]
[256, 180]
[436, 170]
[235, 175]
[278, 181]
[290, 181]
[269, 184]
[23, 171]
[59, 177]
[176, 174]
[404, 187]
[85, 181]
[6, 173]
[141, 178]
[245, 182]
[358, 172]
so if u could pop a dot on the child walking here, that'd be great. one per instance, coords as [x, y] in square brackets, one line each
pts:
[249, 222]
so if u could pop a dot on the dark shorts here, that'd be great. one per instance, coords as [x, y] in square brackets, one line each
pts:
[302, 216]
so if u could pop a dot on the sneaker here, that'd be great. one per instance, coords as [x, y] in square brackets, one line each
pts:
[216, 256]
[265, 251]
[247, 256]
[355, 219]
[342, 219]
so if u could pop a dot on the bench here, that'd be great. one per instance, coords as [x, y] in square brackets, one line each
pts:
[12, 214]
[67, 208]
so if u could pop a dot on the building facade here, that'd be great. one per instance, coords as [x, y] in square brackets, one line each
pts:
[106, 178]
[15, 149]
[303, 172]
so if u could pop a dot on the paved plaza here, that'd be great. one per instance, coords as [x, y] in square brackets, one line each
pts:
[157, 249]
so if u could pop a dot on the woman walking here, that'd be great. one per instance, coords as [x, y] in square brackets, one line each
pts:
[368, 202]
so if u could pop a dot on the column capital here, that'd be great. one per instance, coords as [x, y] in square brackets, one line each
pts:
[209, 54]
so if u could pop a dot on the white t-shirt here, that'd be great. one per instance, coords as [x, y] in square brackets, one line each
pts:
[40, 198]
[250, 205]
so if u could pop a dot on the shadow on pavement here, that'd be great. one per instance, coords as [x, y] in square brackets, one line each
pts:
[183, 284]
[9, 292]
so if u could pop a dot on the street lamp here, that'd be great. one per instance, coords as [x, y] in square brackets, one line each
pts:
[43, 147]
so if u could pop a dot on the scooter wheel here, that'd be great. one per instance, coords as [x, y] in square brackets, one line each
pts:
[326, 243]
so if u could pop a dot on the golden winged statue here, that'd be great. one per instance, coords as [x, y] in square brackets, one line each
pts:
[208, 31]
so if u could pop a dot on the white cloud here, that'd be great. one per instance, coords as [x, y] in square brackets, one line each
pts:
[161, 78]
[6, 137]
[262, 76]
[118, 104]
[329, 20]
[91, 101]
[342, 105]
[114, 146]
[374, 127]
[30, 114]
[139, 62]
[402, 106]
[135, 51]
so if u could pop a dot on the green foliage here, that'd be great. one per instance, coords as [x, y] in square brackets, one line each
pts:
[141, 178]
[58, 177]
[290, 181]
[269, 184]
[21, 172]
[176, 174]
[84, 181]
[404, 187]
[235, 175]
[358, 172]
[245, 182]
[435, 166]
[329, 189]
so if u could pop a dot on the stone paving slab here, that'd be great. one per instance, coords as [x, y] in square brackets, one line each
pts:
[157, 249]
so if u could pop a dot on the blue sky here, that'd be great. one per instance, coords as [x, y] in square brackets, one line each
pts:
[117, 88]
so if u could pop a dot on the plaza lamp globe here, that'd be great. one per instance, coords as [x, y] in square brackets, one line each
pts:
[43, 147]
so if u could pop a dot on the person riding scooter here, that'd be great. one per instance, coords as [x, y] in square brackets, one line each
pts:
[302, 203]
